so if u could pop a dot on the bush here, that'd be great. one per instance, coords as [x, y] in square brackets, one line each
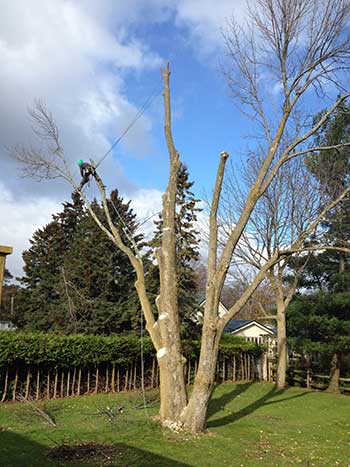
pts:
[83, 350]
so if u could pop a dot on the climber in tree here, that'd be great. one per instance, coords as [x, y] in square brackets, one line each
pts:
[86, 170]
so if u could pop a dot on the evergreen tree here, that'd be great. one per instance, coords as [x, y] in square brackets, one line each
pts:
[321, 321]
[37, 305]
[7, 276]
[332, 169]
[97, 280]
[9, 291]
[76, 279]
[187, 254]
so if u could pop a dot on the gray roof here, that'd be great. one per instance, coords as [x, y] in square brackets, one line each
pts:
[236, 324]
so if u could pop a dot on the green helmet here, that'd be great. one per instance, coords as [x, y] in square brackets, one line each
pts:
[80, 162]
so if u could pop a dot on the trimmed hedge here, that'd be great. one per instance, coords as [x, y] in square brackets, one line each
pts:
[84, 350]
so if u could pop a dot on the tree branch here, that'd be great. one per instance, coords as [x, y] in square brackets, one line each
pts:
[213, 225]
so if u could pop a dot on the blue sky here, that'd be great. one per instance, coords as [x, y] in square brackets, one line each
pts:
[94, 64]
[205, 121]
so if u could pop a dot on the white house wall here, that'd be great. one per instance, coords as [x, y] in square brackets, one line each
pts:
[251, 331]
[222, 309]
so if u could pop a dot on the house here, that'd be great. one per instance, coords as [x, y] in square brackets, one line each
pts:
[255, 332]
[251, 329]
[6, 325]
[260, 333]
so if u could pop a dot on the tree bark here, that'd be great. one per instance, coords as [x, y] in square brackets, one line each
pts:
[68, 383]
[88, 382]
[73, 381]
[173, 395]
[107, 379]
[282, 347]
[79, 382]
[48, 385]
[113, 378]
[37, 384]
[15, 385]
[55, 384]
[27, 383]
[62, 383]
[5, 386]
[194, 415]
[96, 380]
[335, 373]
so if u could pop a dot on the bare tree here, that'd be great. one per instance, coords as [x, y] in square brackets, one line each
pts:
[277, 24]
[281, 216]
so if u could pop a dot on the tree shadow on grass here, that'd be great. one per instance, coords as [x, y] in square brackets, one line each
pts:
[19, 451]
[263, 401]
[218, 404]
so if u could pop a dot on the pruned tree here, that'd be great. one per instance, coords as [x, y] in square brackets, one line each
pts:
[187, 250]
[278, 25]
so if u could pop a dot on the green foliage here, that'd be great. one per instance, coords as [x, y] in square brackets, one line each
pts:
[84, 350]
[320, 323]
[76, 280]
[331, 168]
[9, 292]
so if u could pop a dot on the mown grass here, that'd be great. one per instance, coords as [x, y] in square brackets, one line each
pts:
[249, 425]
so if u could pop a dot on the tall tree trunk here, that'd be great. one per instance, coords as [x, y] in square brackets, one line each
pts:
[173, 393]
[282, 346]
[335, 373]
[194, 415]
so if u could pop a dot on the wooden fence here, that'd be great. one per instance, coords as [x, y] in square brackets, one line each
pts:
[40, 382]
[313, 380]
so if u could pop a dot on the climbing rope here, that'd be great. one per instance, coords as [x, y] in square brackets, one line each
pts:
[149, 101]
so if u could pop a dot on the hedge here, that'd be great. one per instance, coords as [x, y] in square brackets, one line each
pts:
[84, 350]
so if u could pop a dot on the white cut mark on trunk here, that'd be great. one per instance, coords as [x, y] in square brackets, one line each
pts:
[162, 352]
[166, 228]
[163, 316]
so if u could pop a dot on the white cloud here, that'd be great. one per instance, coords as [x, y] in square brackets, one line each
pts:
[204, 20]
[78, 62]
[147, 203]
[22, 220]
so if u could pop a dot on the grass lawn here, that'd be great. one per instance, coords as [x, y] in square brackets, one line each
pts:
[249, 425]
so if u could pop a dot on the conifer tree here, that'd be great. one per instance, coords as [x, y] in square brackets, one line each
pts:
[97, 281]
[75, 280]
[332, 170]
[322, 319]
[9, 291]
[37, 304]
